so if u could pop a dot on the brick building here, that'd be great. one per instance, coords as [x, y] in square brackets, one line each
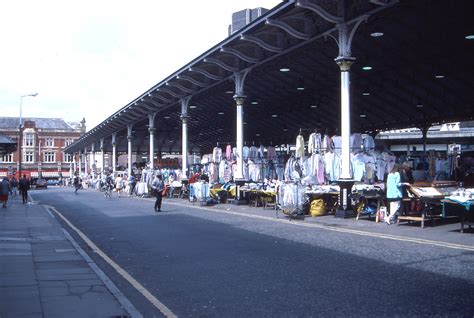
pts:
[43, 142]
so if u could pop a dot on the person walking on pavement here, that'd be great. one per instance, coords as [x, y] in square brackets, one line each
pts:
[5, 189]
[119, 185]
[76, 182]
[131, 184]
[14, 184]
[158, 186]
[24, 186]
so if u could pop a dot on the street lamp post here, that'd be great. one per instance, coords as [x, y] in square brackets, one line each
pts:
[20, 141]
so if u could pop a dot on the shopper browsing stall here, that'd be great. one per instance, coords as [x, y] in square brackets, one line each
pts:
[394, 192]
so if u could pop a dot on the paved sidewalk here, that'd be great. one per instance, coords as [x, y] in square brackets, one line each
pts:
[42, 274]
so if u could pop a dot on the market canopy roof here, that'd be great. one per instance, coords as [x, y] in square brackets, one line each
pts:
[414, 67]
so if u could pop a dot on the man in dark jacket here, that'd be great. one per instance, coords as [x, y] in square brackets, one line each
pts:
[76, 182]
[24, 186]
[158, 186]
[14, 184]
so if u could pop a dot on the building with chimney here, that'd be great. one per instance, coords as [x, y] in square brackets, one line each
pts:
[243, 17]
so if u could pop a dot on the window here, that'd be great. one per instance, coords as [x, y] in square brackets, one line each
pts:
[49, 142]
[49, 157]
[7, 158]
[29, 140]
[67, 157]
[69, 141]
[28, 156]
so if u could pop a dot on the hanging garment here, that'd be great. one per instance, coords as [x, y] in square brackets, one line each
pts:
[337, 166]
[271, 153]
[228, 172]
[289, 169]
[337, 141]
[246, 171]
[356, 142]
[314, 143]
[280, 172]
[313, 165]
[252, 171]
[260, 152]
[369, 142]
[217, 154]
[327, 144]
[381, 168]
[358, 166]
[299, 146]
[228, 152]
[222, 166]
[329, 165]
[253, 152]
[245, 152]
[321, 178]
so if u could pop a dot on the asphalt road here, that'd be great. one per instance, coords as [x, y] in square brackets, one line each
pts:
[208, 264]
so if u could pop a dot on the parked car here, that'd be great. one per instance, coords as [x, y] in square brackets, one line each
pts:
[41, 184]
[53, 182]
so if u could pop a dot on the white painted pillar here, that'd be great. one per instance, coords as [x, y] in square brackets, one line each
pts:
[93, 159]
[240, 136]
[345, 119]
[184, 137]
[151, 129]
[129, 158]
[80, 163]
[74, 162]
[114, 152]
[86, 168]
[102, 157]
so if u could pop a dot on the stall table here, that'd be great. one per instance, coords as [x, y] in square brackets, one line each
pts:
[462, 208]
[431, 199]
[380, 201]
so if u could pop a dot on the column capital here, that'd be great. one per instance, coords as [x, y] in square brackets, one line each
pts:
[151, 131]
[239, 99]
[345, 62]
[184, 118]
[129, 138]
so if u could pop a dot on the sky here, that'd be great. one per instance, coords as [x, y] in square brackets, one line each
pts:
[90, 58]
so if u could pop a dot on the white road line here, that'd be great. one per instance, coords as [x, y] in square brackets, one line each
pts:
[335, 229]
[139, 287]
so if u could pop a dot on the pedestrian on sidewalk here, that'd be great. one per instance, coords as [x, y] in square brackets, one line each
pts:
[5, 189]
[24, 186]
[119, 185]
[158, 187]
[131, 184]
[14, 184]
[76, 182]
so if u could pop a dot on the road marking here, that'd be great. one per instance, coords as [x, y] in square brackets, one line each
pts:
[335, 229]
[139, 287]
[22, 239]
